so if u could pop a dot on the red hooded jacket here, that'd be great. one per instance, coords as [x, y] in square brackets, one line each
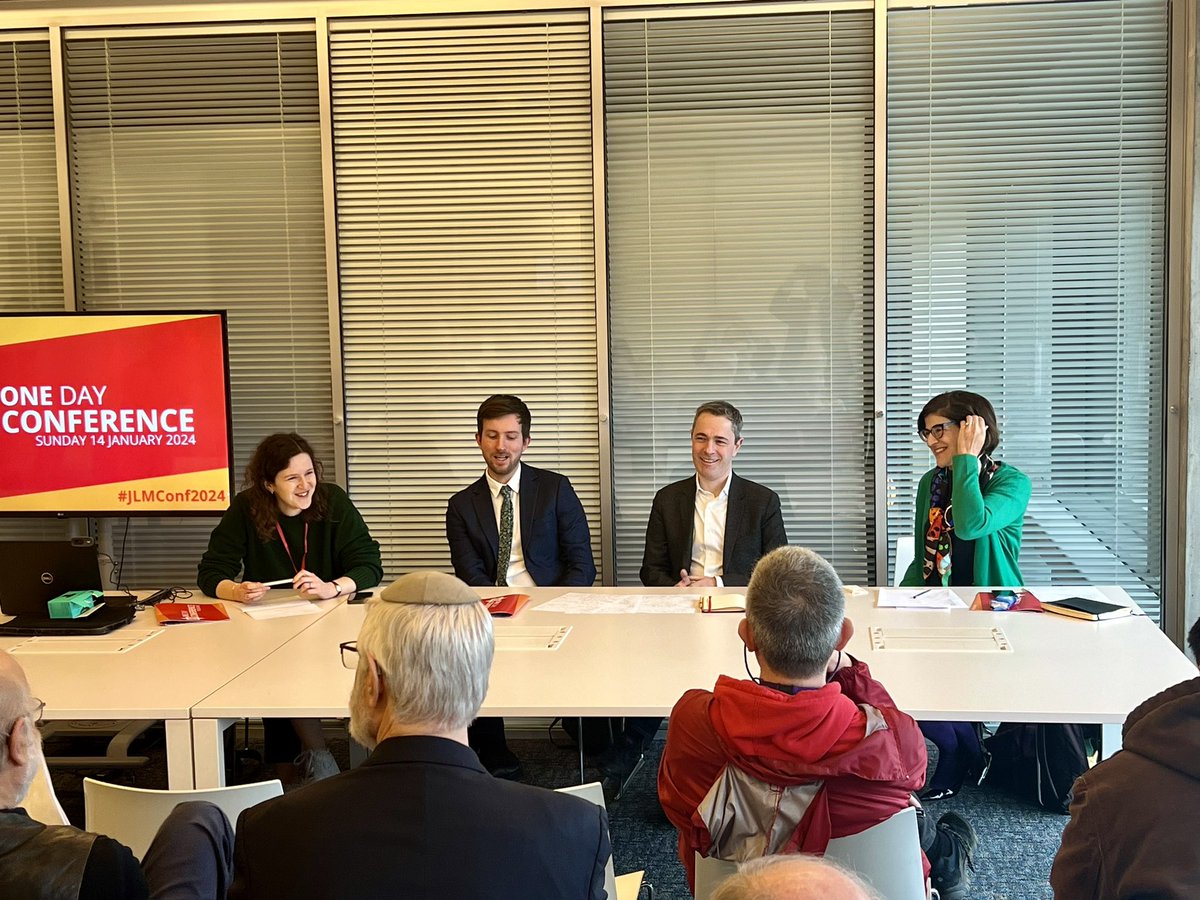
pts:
[793, 739]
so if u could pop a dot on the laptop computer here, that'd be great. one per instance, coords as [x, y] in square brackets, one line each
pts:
[32, 573]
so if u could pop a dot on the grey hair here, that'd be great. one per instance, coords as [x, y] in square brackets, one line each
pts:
[748, 884]
[725, 410]
[795, 608]
[435, 659]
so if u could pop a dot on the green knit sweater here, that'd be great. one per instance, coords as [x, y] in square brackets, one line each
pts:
[992, 518]
[338, 545]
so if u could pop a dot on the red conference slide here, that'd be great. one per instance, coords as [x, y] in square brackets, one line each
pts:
[113, 413]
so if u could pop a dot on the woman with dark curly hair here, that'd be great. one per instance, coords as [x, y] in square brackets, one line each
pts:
[970, 510]
[287, 523]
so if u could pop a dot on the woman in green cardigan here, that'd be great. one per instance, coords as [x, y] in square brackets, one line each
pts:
[970, 510]
[289, 524]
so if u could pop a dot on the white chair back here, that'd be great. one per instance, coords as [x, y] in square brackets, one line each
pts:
[887, 855]
[594, 793]
[133, 815]
[41, 802]
[906, 552]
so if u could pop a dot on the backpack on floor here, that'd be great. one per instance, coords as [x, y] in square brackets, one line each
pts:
[1039, 761]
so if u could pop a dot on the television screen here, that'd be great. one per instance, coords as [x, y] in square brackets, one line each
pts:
[114, 414]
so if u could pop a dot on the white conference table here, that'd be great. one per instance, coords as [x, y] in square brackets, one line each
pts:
[1058, 669]
[162, 678]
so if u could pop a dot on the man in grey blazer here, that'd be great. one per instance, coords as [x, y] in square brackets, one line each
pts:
[707, 530]
[421, 817]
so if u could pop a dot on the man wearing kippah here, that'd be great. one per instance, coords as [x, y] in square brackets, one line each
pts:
[421, 817]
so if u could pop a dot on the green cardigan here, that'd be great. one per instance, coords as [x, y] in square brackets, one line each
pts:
[338, 545]
[992, 518]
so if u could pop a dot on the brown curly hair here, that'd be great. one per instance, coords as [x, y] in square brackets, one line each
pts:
[271, 457]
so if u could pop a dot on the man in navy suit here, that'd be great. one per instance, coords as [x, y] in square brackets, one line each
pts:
[421, 817]
[516, 526]
[707, 530]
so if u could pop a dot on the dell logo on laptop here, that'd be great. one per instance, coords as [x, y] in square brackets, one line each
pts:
[47, 578]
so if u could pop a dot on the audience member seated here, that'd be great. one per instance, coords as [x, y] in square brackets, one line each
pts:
[189, 857]
[1128, 835]
[792, 877]
[421, 817]
[812, 750]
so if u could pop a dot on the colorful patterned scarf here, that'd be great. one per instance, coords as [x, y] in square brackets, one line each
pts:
[938, 540]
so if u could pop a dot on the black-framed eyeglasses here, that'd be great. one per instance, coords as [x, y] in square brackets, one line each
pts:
[35, 714]
[937, 430]
[349, 651]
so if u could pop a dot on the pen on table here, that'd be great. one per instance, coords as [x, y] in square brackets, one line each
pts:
[922, 593]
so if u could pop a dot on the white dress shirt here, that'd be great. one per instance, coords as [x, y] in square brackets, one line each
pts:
[517, 576]
[708, 532]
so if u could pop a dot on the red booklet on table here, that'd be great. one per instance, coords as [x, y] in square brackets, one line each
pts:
[505, 605]
[1026, 602]
[174, 613]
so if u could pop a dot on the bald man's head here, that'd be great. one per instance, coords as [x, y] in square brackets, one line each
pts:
[792, 877]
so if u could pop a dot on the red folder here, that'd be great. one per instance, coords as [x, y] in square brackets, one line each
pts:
[505, 605]
[1026, 602]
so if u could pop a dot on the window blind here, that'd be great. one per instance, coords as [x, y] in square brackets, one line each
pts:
[1026, 200]
[31, 259]
[196, 184]
[740, 242]
[462, 151]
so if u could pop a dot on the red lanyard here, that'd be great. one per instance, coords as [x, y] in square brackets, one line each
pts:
[288, 550]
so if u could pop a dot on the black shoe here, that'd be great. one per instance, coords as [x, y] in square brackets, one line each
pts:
[950, 874]
[978, 772]
[502, 763]
[622, 761]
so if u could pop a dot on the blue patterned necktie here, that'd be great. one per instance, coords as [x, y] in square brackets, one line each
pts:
[506, 534]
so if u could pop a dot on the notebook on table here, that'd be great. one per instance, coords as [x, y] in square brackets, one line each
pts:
[35, 572]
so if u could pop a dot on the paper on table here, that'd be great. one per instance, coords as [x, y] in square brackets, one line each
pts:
[920, 598]
[281, 609]
[599, 604]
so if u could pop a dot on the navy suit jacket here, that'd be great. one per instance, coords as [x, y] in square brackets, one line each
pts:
[555, 539]
[753, 527]
[420, 818]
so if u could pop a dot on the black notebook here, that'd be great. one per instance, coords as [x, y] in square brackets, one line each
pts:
[1083, 608]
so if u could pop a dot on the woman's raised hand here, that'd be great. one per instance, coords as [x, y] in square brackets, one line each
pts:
[971, 434]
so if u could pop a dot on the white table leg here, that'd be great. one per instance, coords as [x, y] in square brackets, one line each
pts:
[1110, 738]
[179, 754]
[208, 748]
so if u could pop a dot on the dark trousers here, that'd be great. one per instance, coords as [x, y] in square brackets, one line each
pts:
[958, 750]
[486, 735]
[191, 856]
[642, 729]
[281, 744]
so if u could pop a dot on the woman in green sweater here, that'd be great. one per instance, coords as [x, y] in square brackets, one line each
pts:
[289, 524]
[970, 510]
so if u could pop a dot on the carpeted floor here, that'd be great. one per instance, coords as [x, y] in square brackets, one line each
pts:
[1017, 839]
